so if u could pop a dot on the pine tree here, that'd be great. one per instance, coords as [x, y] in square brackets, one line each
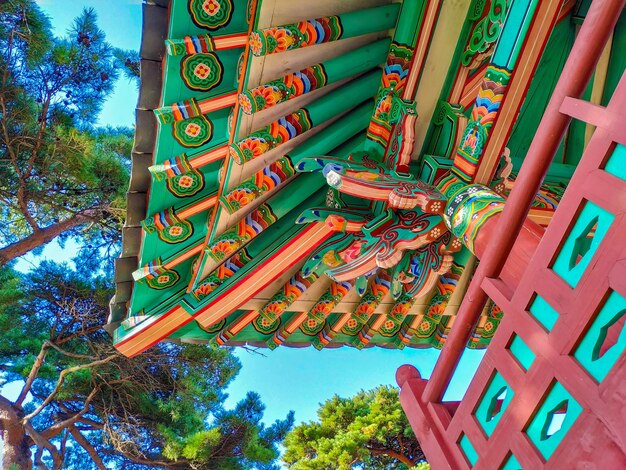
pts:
[368, 431]
[82, 405]
[60, 175]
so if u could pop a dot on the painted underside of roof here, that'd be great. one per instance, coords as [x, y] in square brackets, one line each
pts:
[234, 95]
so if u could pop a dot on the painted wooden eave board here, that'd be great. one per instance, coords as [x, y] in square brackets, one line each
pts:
[152, 49]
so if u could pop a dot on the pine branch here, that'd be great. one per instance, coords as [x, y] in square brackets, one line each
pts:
[59, 383]
[57, 428]
[37, 239]
[393, 454]
[32, 375]
[178, 464]
[80, 439]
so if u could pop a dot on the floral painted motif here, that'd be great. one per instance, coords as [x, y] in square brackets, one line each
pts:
[187, 184]
[312, 326]
[240, 197]
[255, 42]
[248, 228]
[193, 132]
[393, 81]
[201, 72]
[211, 7]
[315, 322]
[469, 209]
[296, 35]
[245, 103]
[291, 291]
[169, 227]
[211, 14]
[249, 148]
[262, 182]
[390, 328]
[206, 287]
[484, 112]
[368, 304]
[265, 326]
[283, 89]
[271, 136]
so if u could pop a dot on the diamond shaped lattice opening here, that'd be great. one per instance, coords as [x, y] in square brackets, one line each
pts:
[553, 420]
[604, 341]
[609, 335]
[521, 352]
[581, 243]
[495, 400]
[468, 449]
[495, 405]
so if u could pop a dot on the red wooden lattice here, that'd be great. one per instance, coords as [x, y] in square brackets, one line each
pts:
[550, 391]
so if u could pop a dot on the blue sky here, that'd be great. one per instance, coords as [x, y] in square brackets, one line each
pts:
[287, 379]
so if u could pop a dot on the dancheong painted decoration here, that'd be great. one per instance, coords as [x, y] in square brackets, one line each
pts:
[329, 173]
[395, 174]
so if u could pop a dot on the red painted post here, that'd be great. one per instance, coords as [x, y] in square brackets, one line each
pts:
[592, 38]
[518, 258]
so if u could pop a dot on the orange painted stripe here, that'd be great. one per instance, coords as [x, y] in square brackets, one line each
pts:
[423, 43]
[371, 331]
[209, 157]
[232, 41]
[567, 8]
[243, 322]
[356, 189]
[413, 326]
[541, 216]
[296, 322]
[463, 165]
[378, 323]
[341, 322]
[468, 96]
[189, 45]
[185, 256]
[220, 102]
[197, 208]
[290, 254]
[152, 333]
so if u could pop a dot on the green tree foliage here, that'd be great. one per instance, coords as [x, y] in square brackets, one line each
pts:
[59, 174]
[368, 431]
[83, 405]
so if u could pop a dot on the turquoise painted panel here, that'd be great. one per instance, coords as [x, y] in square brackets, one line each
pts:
[175, 89]
[182, 24]
[549, 427]
[544, 313]
[617, 162]
[599, 360]
[513, 33]
[581, 244]
[490, 410]
[468, 449]
[511, 464]
[522, 352]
